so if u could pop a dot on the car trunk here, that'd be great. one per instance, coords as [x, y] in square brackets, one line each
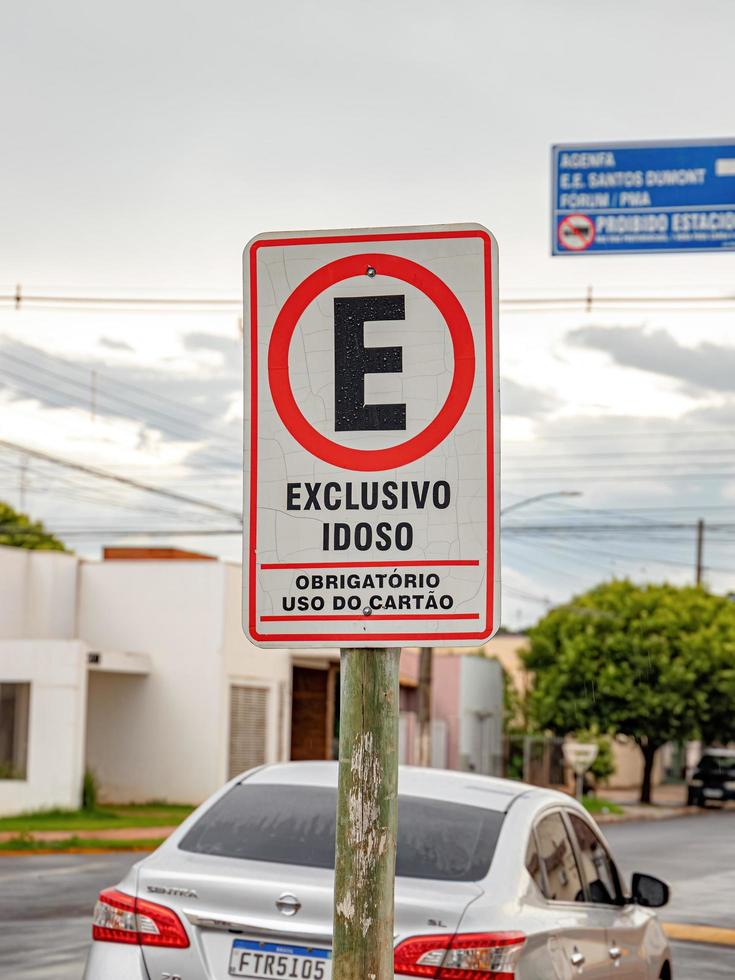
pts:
[236, 900]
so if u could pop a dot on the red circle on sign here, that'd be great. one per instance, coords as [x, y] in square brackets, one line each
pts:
[463, 346]
[583, 238]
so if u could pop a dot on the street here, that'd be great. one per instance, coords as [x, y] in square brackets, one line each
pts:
[696, 856]
[46, 901]
[46, 907]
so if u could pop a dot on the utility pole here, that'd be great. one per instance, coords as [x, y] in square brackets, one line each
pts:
[426, 663]
[700, 550]
[367, 815]
[23, 482]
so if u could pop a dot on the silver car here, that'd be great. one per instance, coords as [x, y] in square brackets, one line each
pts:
[494, 879]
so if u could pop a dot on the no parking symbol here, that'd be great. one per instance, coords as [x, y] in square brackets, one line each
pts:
[576, 232]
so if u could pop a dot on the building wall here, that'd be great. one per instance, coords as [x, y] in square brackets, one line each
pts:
[629, 766]
[245, 663]
[481, 719]
[37, 594]
[466, 706]
[160, 736]
[57, 672]
[445, 703]
[507, 649]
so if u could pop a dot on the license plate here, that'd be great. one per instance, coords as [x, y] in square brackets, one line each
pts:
[713, 793]
[275, 961]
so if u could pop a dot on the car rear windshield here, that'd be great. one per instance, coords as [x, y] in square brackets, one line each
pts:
[296, 824]
[717, 764]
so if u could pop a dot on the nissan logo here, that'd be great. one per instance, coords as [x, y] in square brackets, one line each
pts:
[288, 904]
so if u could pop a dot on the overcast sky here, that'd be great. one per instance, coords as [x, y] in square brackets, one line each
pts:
[145, 143]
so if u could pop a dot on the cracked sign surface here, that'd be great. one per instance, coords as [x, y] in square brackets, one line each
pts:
[371, 449]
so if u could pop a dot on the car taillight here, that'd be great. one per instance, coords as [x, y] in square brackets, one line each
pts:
[120, 918]
[467, 956]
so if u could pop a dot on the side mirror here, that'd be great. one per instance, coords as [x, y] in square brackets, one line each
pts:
[648, 891]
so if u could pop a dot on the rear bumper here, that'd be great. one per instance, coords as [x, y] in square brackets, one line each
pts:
[115, 961]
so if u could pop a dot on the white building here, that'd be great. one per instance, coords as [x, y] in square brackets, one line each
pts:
[137, 668]
[114, 665]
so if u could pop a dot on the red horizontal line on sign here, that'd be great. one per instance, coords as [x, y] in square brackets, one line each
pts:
[362, 564]
[303, 619]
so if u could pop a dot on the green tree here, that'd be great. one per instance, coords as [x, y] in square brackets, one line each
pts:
[19, 531]
[652, 662]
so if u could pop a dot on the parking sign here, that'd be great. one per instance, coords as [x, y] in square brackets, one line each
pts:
[371, 451]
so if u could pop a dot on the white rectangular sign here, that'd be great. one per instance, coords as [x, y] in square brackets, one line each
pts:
[371, 437]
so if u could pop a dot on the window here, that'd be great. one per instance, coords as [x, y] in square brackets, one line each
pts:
[533, 866]
[708, 764]
[14, 701]
[557, 856]
[296, 825]
[714, 765]
[597, 867]
[248, 712]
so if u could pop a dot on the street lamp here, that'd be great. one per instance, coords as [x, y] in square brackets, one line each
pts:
[541, 496]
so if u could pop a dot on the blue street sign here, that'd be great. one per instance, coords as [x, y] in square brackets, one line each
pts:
[643, 197]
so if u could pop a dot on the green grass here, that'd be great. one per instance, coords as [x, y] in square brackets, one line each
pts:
[593, 804]
[103, 818]
[24, 843]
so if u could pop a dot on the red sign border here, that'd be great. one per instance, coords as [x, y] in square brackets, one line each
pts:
[379, 638]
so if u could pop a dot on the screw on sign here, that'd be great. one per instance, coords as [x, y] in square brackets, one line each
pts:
[576, 232]
[371, 506]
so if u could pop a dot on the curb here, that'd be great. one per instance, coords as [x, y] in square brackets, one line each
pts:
[709, 935]
[663, 814]
[81, 833]
[33, 851]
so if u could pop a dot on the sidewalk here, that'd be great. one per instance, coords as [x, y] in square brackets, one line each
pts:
[667, 794]
[118, 833]
[668, 800]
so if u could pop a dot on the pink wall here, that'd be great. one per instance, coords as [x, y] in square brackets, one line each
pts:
[445, 694]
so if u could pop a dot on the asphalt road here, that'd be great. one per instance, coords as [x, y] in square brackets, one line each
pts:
[696, 856]
[46, 907]
[46, 902]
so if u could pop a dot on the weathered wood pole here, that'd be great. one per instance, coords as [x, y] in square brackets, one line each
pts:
[366, 815]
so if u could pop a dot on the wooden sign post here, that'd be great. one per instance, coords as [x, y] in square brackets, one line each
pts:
[366, 815]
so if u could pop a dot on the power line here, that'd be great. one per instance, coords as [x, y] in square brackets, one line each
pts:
[580, 528]
[519, 593]
[656, 477]
[176, 425]
[712, 451]
[125, 481]
[585, 302]
[633, 559]
[650, 434]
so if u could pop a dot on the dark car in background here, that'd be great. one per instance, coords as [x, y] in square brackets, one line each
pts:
[713, 779]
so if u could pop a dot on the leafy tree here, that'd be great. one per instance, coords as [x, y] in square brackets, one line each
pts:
[19, 531]
[513, 707]
[655, 662]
